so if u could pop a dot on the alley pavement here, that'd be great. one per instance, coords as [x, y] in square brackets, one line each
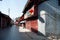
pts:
[19, 33]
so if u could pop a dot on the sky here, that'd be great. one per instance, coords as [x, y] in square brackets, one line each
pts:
[15, 6]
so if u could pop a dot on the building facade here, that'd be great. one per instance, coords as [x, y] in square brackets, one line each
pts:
[45, 17]
[5, 20]
[49, 11]
[31, 20]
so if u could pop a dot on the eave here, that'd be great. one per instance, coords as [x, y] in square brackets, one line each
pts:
[31, 18]
[29, 4]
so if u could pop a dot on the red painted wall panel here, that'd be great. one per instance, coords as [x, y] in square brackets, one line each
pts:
[32, 25]
[28, 25]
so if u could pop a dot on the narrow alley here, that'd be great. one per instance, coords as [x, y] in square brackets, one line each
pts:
[30, 20]
[12, 33]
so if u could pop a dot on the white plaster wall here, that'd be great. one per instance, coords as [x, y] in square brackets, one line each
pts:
[51, 19]
[41, 23]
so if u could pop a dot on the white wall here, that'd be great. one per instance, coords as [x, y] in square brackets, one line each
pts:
[41, 22]
[51, 17]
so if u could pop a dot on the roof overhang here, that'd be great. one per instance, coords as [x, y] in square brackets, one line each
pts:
[28, 5]
[31, 18]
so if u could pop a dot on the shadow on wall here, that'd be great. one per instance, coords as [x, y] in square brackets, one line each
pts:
[41, 19]
[37, 32]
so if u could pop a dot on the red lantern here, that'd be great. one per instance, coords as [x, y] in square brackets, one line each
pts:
[31, 11]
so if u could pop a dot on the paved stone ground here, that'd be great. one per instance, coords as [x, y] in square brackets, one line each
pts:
[14, 33]
[32, 35]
